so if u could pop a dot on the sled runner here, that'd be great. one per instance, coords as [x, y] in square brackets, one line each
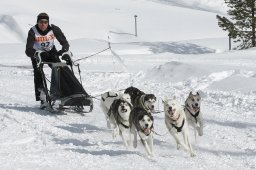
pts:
[66, 91]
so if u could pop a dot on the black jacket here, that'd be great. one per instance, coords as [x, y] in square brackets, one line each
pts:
[30, 51]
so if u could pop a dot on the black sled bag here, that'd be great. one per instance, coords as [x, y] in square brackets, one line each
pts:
[66, 87]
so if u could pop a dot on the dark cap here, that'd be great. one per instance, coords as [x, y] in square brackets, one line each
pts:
[42, 15]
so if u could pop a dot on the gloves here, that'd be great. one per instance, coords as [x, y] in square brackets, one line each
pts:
[59, 53]
[43, 56]
[67, 58]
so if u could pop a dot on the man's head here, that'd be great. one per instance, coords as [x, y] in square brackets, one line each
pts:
[43, 21]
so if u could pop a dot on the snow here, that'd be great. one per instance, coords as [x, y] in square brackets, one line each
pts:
[179, 49]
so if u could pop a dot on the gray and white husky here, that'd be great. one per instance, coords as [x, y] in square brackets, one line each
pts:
[140, 99]
[193, 112]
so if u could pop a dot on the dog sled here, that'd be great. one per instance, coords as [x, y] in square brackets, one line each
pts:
[66, 91]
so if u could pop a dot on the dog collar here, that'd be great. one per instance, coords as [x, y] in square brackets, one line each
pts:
[119, 121]
[179, 128]
[109, 95]
[141, 100]
[125, 126]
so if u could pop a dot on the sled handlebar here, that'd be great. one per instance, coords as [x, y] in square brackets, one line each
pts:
[39, 61]
[60, 64]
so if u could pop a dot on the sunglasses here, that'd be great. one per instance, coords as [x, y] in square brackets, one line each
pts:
[43, 22]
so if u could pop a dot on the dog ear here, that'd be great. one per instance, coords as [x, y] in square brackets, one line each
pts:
[151, 117]
[165, 99]
[140, 116]
[194, 93]
[190, 94]
[129, 104]
[116, 104]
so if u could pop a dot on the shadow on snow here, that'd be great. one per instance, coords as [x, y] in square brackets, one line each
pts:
[176, 48]
[235, 124]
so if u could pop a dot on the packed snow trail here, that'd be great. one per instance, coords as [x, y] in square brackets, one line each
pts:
[31, 137]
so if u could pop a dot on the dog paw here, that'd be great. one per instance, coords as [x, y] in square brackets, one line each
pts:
[130, 142]
[200, 132]
[126, 145]
[192, 154]
[178, 146]
[150, 155]
[135, 144]
[108, 125]
[115, 132]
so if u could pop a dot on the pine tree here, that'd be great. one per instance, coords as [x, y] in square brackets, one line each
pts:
[241, 25]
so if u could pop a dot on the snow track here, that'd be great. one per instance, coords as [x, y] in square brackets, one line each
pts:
[30, 136]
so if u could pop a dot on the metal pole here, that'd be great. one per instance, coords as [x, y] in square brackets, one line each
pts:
[135, 17]
[229, 37]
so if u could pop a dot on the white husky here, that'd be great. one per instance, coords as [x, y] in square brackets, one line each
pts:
[176, 123]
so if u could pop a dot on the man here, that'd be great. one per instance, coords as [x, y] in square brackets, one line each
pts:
[40, 41]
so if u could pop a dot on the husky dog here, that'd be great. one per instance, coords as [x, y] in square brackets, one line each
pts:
[140, 99]
[193, 112]
[141, 122]
[118, 115]
[107, 99]
[176, 123]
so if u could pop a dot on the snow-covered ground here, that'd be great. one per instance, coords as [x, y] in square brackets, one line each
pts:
[179, 48]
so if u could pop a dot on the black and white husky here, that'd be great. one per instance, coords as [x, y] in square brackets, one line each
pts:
[108, 98]
[118, 115]
[193, 112]
[141, 122]
[176, 123]
[140, 99]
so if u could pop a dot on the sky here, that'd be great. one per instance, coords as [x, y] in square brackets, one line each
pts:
[179, 48]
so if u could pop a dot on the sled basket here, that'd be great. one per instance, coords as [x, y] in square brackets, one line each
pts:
[76, 100]
[66, 87]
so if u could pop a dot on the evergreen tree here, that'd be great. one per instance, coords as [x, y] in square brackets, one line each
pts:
[241, 25]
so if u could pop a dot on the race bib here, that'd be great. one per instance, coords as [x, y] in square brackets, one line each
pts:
[43, 42]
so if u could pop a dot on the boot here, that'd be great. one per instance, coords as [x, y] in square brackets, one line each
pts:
[43, 104]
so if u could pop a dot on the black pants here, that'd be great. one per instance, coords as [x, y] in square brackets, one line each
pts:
[38, 78]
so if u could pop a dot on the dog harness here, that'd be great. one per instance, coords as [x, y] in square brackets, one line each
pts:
[125, 126]
[109, 95]
[178, 128]
[141, 102]
[193, 115]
